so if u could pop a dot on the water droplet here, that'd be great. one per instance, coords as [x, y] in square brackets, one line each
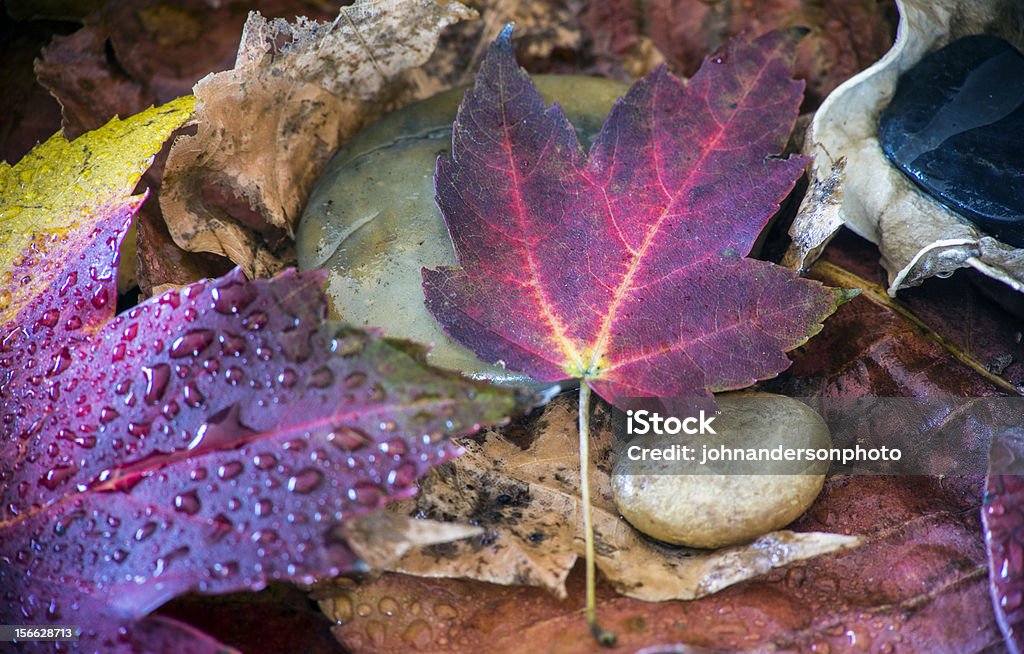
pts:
[170, 409]
[222, 526]
[73, 323]
[191, 344]
[394, 447]
[445, 611]
[119, 555]
[130, 332]
[118, 353]
[364, 610]
[264, 536]
[347, 438]
[229, 470]
[50, 318]
[995, 509]
[305, 481]
[264, 461]
[263, 507]
[418, 634]
[224, 570]
[145, 531]
[365, 493]
[388, 606]
[65, 521]
[403, 476]
[156, 381]
[232, 345]
[99, 300]
[197, 474]
[378, 394]
[342, 609]
[1011, 601]
[232, 298]
[255, 321]
[354, 380]
[234, 375]
[139, 429]
[347, 345]
[288, 378]
[165, 561]
[187, 503]
[108, 414]
[55, 476]
[322, 377]
[61, 362]
[85, 440]
[375, 631]
[193, 396]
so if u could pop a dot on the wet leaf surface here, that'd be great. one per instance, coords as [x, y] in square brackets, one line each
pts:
[920, 563]
[212, 438]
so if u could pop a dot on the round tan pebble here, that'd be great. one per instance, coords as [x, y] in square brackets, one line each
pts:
[686, 503]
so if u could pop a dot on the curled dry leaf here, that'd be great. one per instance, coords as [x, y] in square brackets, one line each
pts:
[527, 500]
[917, 236]
[267, 127]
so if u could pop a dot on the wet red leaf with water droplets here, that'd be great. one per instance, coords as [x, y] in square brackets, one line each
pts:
[627, 267]
[1003, 516]
[212, 438]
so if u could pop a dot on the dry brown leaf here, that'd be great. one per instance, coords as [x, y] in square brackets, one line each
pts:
[527, 501]
[382, 537]
[918, 237]
[268, 126]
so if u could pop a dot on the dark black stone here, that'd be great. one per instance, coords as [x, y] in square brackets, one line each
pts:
[956, 127]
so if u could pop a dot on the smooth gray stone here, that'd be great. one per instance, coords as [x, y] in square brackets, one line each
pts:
[372, 222]
[956, 127]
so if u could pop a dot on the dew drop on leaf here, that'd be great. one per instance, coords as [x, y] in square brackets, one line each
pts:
[232, 298]
[255, 321]
[287, 378]
[322, 377]
[263, 507]
[264, 461]
[192, 343]
[229, 470]
[55, 476]
[156, 382]
[365, 493]
[354, 380]
[347, 438]
[60, 363]
[306, 481]
[145, 531]
[187, 503]
[234, 375]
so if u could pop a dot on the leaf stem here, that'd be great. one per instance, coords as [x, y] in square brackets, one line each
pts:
[603, 637]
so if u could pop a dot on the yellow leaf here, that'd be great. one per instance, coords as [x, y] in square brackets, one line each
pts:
[51, 194]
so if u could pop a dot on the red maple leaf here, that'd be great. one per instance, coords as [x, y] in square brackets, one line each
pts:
[627, 268]
[212, 438]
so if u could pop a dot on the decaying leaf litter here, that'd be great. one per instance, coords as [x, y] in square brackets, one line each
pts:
[895, 369]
